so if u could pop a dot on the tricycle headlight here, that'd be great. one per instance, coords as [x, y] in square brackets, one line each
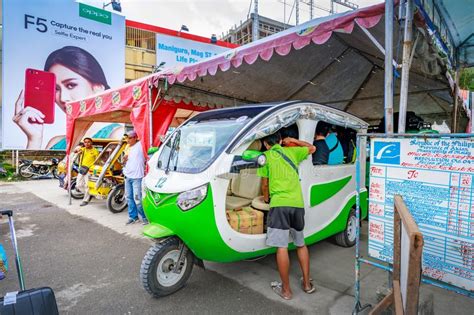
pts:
[190, 199]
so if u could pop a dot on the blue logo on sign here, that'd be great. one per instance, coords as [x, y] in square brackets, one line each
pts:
[387, 152]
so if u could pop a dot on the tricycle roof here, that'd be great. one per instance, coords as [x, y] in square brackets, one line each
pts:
[307, 109]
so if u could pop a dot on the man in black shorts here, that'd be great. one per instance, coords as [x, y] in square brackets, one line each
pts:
[282, 189]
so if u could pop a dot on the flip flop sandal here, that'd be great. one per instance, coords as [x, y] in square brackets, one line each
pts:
[277, 288]
[310, 291]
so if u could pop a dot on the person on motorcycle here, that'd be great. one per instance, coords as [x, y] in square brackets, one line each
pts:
[88, 155]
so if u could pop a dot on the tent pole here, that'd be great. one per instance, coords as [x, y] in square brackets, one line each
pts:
[471, 106]
[13, 158]
[454, 126]
[377, 44]
[17, 162]
[388, 95]
[150, 117]
[358, 307]
[297, 16]
[407, 45]
[69, 174]
[255, 22]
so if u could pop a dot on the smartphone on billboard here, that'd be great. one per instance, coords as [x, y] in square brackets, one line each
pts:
[40, 90]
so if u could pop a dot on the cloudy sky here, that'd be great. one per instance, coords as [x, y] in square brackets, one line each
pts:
[205, 17]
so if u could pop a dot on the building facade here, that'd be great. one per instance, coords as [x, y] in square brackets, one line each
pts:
[140, 47]
[242, 34]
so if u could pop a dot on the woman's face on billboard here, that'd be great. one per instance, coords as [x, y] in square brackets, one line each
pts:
[71, 86]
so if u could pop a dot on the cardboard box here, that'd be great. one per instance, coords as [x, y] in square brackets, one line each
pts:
[246, 220]
[256, 229]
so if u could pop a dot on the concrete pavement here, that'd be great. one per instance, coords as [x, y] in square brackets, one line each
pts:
[94, 270]
[332, 267]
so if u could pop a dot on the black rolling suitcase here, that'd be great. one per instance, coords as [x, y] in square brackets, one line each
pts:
[39, 301]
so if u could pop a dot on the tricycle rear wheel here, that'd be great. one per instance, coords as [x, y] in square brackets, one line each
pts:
[157, 270]
[347, 238]
[76, 194]
[116, 201]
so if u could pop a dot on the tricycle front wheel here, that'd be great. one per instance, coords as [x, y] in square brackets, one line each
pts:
[161, 273]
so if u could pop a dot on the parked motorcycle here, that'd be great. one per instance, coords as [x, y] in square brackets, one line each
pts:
[22, 162]
[29, 169]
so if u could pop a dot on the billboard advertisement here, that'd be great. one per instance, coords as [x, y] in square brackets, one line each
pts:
[176, 51]
[55, 52]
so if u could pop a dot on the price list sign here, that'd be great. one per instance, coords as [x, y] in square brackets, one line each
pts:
[435, 178]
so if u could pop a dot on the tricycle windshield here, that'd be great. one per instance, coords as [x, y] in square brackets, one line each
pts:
[105, 154]
[195, 145]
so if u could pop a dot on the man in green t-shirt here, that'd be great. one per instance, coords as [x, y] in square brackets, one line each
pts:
[282, 189]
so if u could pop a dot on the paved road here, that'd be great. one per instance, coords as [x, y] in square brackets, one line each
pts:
[99, 257]
[94, 270]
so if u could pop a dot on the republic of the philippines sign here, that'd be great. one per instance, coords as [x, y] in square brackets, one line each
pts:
[435, 178]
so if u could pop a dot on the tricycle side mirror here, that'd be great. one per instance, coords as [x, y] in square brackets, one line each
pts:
[254, 156]
[152, 150]
[249, 159]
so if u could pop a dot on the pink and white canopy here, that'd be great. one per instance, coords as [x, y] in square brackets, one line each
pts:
[328, 60]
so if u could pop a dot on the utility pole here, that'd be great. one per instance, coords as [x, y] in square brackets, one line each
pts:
[256, 27]
[297, 5]
[311, 9]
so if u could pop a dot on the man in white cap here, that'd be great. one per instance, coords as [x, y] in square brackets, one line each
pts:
[134, 171]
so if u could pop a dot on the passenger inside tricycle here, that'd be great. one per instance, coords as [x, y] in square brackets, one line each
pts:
[203, 197]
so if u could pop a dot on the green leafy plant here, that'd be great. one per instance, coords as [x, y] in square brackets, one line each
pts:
[466, 79]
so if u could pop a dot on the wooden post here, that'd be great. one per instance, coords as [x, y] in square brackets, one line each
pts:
[383, 305]
[396, 246]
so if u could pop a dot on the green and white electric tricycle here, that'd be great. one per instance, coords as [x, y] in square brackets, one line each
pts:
[208, 166]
